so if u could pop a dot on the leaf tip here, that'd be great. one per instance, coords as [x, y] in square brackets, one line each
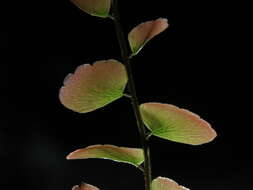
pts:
[163, 183]
[72, 155]
[84, 186]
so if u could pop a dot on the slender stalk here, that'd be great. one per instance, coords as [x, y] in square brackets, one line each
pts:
[131, 88]
[127, 95]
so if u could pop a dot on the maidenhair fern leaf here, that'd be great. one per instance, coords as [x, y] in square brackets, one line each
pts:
[144, 32]
[93, 86]
[132, 156]
[175, 124]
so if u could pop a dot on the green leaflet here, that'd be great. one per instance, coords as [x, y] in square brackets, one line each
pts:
[100, 8]
[93, 86]
[144, 32]
[162, 183]
[132, 156]
[175, 124]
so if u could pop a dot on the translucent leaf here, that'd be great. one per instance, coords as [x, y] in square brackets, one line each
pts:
[144, 32]
[84, 186]
[162, 183]
[100, 8]
[175, 124]
[93, 86]
[132, 156]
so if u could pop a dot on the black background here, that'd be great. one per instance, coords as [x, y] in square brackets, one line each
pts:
[193, 65]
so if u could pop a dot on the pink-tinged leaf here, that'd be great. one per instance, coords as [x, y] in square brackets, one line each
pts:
[84, 186]
[100, 8]
[162, 183]
[175, 124]
[93, 86]
[132, 156]
[144, 32]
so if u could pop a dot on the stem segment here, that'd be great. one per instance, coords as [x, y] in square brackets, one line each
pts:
[131, 88]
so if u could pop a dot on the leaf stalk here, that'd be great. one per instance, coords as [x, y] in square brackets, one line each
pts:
[127, 95]
[131, 88]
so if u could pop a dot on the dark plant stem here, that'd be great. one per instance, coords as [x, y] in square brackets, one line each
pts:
[131, 88]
